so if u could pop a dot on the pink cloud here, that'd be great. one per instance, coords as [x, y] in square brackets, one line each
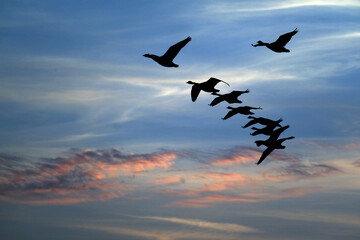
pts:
[208, 201]
[169, 180]
[238, 156]
[86, 176]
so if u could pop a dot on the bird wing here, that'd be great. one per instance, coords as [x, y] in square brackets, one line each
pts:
[217, 100]
[213, 81]
[251, 122]
[285, 38]
[175, 49]
[265, 154]
[229, 114]
[276, 134]
[238, 93]
[195, 90]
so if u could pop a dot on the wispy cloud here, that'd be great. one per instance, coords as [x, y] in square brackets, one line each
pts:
[170, 180]
[86, 176]
[229, 227]
[158, 234]
[301, 171]
[248, 7]
[210, 200]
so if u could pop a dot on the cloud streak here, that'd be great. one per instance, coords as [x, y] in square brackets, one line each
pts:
[279, 5]
[86, 176]
[228, 227]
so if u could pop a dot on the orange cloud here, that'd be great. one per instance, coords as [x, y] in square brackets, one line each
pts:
[209, 200]
[83, 177]
[169, 180]
[238, 155]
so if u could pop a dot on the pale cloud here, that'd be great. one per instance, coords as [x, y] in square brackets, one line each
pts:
[158, 234]
[228, 227]
[226, 8]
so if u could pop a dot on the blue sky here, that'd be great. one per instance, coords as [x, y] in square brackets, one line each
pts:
[97, 141]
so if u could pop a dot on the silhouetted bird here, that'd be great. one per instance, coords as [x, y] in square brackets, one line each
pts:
[229, 97]
[271, 146]
[273, 137]
[263, 121]
[208, 86]
[245, 110]
[166, 60]
[279, 44]
[268, 130]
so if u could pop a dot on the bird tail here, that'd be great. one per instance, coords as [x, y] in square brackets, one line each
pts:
[229, 107]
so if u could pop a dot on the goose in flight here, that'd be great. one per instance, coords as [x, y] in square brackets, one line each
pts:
[271, 146]
[166, 60]
[268, 130]
[245, 110]
[229, 97]
[207, 86]
[273, 137]
[263, 121]
[279, 45]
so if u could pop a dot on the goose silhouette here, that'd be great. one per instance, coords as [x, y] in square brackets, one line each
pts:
[273, 137]
[207, 86]
[166, 60]
[279, 45]
[229, 97]
[245, 110]
[263, 121]
[268, 130]
[271, 146]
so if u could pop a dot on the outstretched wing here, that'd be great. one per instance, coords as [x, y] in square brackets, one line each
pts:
[217, 100]
[252, 122]
[285, 38]
[175, 49]
[276, 134]
[238, 93]
[195, 90]
[229, 114]
[213, 81]
[265, 154]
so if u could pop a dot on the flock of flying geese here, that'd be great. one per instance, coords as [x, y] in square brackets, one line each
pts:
[271, 128]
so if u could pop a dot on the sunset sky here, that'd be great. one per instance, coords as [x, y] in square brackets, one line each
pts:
[99, 142]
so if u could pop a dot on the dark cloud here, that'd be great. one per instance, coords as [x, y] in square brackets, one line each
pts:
[85, 176]
[301, 170]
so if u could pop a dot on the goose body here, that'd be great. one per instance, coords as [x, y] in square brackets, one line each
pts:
[229, 97]
[207, 86]
[263, 121]
[273, 137]
[268, 130]
[166, 60]
[279, 45]
[271, 146]
[244, 110]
